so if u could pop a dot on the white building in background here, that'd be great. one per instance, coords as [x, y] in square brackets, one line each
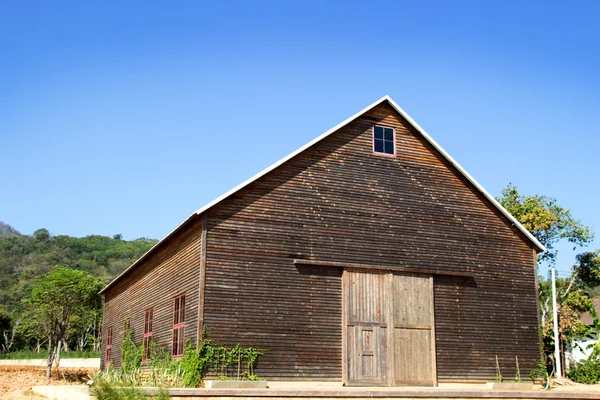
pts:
[581, 349]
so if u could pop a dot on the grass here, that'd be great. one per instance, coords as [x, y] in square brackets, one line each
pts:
[34, 355]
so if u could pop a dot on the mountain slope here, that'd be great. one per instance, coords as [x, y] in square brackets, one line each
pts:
[23, 258]
[7, 230]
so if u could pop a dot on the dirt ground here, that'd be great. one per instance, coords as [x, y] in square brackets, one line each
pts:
[16, 382]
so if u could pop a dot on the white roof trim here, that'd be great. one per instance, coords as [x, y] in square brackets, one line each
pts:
[323, 136]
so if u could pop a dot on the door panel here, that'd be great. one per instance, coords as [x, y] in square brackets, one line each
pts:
[367, 303]
[413, 330]
[366, 328]
[412, 357]
[412, 300]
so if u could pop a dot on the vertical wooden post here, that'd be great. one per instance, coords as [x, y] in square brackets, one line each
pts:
[202, 279]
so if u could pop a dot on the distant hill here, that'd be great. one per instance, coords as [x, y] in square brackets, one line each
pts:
[23, 258]
[7, 230]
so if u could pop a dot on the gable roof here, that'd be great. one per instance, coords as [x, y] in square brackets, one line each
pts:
[400, 111]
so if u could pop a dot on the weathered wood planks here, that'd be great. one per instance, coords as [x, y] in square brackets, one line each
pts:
[339, 203]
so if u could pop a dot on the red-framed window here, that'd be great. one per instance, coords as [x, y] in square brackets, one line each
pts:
[148, 318]
[178, 341]
[108, 356]
[384, 140]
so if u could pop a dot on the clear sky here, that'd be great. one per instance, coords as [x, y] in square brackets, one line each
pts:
[125, 117]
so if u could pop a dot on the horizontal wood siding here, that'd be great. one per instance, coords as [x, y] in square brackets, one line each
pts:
[337, 201]
[171, 271]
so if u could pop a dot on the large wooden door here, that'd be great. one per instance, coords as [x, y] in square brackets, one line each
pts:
[367, 315]
[389, 331]
[413, 330]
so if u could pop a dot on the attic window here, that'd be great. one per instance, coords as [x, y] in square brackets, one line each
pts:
[384, 140]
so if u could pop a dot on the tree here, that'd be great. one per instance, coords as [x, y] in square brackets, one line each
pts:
[41, 235]
[5, 330]
[587, 272]
[56, 300]
[572, 302]
[546, 220]
[550, 223]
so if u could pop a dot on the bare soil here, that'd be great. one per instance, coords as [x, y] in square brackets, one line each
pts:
[16, 381]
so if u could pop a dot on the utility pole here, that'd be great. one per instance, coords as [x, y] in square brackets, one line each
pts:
[556, 338]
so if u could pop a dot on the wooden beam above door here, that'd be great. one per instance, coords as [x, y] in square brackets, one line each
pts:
[408, 270]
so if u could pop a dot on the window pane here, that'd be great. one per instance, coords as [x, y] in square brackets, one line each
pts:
[182, 310]
[181, 341]
[176, 312]
[389, 147]
[389, 134]
[378, 131]
[174, 342]
[378, 146]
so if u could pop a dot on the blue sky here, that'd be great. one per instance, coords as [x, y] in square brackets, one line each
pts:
[126, 118]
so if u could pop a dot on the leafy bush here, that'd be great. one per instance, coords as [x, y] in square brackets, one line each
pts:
[132, 355]
[163, 371]
[587, 371]
[540, 373]
[104, 390]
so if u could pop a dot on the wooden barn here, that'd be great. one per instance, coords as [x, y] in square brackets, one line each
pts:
[368, 257]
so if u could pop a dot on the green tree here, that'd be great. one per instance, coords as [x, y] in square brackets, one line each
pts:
[56, 300]
[6, 325]
[25, 258]
[550, 223]
[546, 220]
[587, 271]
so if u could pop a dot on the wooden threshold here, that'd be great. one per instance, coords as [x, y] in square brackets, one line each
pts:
[409, 270]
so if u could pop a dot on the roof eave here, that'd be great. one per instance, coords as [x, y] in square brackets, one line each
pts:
[146, 254]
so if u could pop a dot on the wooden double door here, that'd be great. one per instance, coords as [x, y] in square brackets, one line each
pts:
[389, 331]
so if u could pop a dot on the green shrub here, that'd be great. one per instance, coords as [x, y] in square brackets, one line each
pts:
[104, 390]
[132, 354]
[587, 371]
[187, 371]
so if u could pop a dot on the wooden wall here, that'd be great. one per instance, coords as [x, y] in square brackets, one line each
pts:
[172, 270]
[337, 201]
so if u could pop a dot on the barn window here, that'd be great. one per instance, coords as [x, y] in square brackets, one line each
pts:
[108, 358]
[384, 140]
[148, 316]
[178, 325]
